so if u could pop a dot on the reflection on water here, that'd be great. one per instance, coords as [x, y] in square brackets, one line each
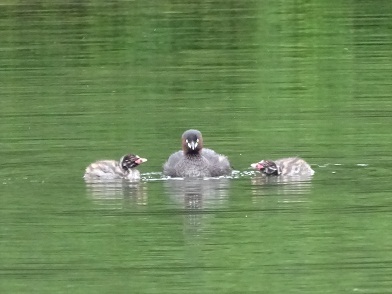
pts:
[284, 184]
[198, 194]
[290, 188]
[82, 79]
[109, 193]
[197, 197]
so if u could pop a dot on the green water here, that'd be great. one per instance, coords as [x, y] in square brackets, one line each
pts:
[261, 80]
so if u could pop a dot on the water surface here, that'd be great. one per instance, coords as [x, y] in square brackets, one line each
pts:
[261, 80]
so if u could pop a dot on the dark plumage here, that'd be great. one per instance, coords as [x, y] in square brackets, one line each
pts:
[194, 160]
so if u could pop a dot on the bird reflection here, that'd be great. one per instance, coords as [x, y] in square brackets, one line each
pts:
[198, 197]
[282, 185]
[117, 193]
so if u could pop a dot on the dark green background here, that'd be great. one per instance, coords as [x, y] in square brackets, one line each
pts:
[260, 79]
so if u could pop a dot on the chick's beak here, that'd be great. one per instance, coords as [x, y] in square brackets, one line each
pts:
[140, 160]
[257, 166]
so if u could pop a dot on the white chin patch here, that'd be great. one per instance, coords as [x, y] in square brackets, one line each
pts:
[192, 145]
[253, 165]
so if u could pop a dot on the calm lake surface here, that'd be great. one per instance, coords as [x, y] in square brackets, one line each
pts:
[261, 80]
